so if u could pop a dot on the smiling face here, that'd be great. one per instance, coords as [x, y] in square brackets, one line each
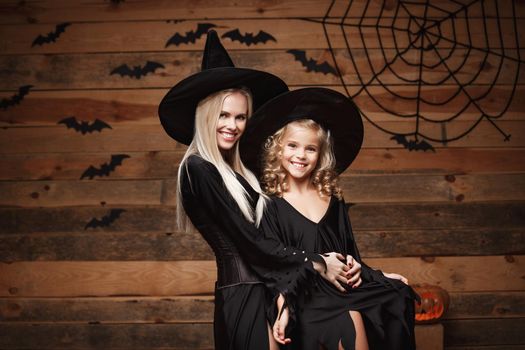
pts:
[232, 120]
[300, 152]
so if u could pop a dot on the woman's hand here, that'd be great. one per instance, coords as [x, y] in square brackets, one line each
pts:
[396, 276]
[354, 274]
[279, 327]
[336, 270]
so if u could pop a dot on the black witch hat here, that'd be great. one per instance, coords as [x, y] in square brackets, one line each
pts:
[332, 110]
[177, 108]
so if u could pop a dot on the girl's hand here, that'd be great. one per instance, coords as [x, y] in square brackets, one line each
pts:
[354, 274]
[396, 276]
[336, 270]
[279, 328]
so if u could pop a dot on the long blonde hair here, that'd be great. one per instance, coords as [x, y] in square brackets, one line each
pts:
[323, 177]
[204, 144]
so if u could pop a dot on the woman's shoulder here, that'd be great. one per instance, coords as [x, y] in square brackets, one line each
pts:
[196, 164]
[197, 169]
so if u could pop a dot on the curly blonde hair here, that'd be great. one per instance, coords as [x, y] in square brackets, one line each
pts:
[323, 177]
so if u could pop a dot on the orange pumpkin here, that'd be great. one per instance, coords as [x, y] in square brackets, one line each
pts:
[434, 303]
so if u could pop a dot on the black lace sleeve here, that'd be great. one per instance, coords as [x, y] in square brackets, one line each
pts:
[293, 278]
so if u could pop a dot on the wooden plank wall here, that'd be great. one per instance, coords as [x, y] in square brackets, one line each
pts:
[97, 263]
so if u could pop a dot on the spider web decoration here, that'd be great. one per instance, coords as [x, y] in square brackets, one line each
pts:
[468, 50]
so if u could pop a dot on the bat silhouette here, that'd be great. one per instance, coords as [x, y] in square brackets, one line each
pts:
[248, 38]
[137, 71]
[106, 220]
[51, 37]
[311, 64]
[191, 36]
[413, 145]
[16, 98]
[105, 169]
[84, 127]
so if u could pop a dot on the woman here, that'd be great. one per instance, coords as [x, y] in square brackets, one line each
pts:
[221, 198]
[300, 171]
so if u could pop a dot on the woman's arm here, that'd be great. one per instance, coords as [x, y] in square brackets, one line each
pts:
[280, 266]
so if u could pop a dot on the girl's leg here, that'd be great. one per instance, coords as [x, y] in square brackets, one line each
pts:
[361, 342]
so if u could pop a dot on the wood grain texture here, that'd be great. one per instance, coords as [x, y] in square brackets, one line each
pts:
[148, 278]
[479, 305]
[365, 216]
[288, 33]
[163, 246]
[194, 309]
[498, 332]
[70, 71]
[199, 309]
[96, 336]
[139, 106]
[84, 279]
[146, 138]
[137, 336]
[51, 11]
[357, 188]
[161, 165]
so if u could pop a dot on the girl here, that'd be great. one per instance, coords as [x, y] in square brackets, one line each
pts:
[307, 211]
[221, 198]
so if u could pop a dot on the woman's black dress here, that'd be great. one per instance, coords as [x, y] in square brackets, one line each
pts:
[321, 311]
[245, 258]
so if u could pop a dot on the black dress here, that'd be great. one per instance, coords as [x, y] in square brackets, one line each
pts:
[321, 315]
[246, 260]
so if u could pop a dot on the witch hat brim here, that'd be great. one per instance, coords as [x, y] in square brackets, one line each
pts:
[335, 112]
[177, 108]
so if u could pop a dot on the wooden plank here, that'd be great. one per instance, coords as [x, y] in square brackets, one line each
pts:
[136, 336]
[288, 34]
[192, 309]
[112, 106]
[162, 246]
[87, 279]
[170, 278]
[486, 305]
[139, 106]
[443, 242]
[418, 215]
[402, 216]
[489, 347]
[199, 309]
[68, 166]
[119, 246]
[82, 192]
[95, 336]
[160, 165]
[459, 274]
[498, 332]
[56, 11]
[75, 71]
[146, 219]
[444, 161]
[429, 336]
[358, 188]
[135, 138]
[429, 188]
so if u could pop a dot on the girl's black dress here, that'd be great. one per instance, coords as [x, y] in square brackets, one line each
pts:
[321, 311]
[246, 260]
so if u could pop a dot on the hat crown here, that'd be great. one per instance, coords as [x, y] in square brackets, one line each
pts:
[215, 55]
